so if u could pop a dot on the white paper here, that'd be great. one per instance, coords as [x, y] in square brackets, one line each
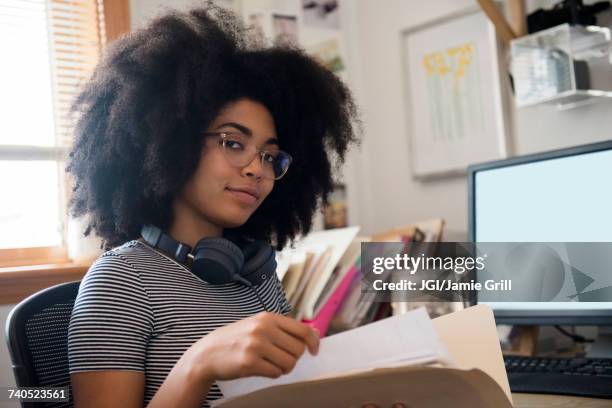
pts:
[408, 338]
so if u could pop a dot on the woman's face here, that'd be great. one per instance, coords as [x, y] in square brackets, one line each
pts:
[219, 192]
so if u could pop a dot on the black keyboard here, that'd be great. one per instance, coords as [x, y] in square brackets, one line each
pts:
[584, 377]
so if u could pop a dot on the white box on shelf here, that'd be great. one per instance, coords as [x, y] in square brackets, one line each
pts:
[564, 65]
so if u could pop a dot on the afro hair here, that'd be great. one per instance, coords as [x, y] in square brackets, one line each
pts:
[141, 116]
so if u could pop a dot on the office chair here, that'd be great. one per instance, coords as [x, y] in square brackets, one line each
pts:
[37, 337]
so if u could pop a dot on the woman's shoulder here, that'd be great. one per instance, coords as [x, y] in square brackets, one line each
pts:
[127, 254]
[113, 276]
[131, 262]
[120, 261]
[126, 250]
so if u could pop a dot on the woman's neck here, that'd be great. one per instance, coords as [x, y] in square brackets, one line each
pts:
[189, 227]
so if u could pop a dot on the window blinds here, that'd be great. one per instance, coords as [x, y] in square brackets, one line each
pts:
[77, 35]
[72, 34]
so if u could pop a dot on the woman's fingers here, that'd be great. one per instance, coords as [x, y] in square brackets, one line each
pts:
[265, 368]
[289, 343]
[277, 356]
[303, 332]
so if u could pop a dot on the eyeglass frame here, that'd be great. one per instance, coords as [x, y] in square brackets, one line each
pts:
[261, 152]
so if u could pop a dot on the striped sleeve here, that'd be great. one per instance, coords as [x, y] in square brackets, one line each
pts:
[112, 319]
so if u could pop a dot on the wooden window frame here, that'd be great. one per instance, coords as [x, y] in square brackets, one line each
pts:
[24, 271]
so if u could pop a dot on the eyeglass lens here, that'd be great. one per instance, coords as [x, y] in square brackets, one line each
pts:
[240, 151]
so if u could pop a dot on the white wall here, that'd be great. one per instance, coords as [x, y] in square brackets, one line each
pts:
[390, 195]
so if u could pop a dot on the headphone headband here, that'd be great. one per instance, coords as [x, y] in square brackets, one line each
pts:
[218, 260]
[158, 239]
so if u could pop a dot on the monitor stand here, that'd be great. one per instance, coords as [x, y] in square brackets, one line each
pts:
[527, 342]
[602, 347]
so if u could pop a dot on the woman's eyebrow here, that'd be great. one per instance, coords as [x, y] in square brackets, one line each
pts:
[246, 131]
[238, 126]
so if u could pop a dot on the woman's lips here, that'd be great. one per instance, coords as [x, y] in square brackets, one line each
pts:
[243, 195]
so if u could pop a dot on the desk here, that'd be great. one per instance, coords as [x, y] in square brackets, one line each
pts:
[557, 401]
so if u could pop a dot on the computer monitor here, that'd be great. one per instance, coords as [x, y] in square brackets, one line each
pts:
[558, 196]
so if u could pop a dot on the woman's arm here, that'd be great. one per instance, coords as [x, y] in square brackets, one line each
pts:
[103, 389]
[186, 386]
[266, 344]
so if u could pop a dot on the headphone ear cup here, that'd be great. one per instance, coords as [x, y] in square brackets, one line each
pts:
[217, 260]
[260, 262]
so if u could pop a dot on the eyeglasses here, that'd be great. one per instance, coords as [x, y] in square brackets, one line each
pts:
[240, 152]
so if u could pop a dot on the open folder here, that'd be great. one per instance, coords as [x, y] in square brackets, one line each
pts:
[454, 360]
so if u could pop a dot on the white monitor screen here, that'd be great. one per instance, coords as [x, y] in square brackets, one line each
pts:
[566, 199]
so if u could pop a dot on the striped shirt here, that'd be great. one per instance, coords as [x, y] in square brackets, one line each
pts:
[139, 310]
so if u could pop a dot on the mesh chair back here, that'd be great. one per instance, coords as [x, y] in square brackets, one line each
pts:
[37, 336]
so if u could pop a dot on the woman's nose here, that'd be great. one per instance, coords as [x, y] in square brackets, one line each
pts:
[254, 168]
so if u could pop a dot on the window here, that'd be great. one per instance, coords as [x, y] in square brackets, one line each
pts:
[48, 49]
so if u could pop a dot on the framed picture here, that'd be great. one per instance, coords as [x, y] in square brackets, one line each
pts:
[457, 108]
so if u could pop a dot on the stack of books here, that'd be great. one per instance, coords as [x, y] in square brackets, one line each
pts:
[321, 274]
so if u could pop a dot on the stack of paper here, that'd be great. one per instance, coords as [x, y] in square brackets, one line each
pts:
[400, 340]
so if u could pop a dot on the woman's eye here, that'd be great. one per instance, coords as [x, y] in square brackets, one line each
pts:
[234, 145]
[268, 158]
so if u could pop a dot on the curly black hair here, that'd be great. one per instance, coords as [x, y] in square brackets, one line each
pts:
[141, 116]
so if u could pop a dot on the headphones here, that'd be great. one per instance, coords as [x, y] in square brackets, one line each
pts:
[218, 260]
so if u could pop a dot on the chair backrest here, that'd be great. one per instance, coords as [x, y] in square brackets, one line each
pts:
[37, 337]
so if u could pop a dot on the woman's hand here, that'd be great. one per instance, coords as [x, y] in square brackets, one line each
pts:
[266, 344]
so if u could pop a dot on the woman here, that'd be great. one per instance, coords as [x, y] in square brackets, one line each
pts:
[191, 133]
